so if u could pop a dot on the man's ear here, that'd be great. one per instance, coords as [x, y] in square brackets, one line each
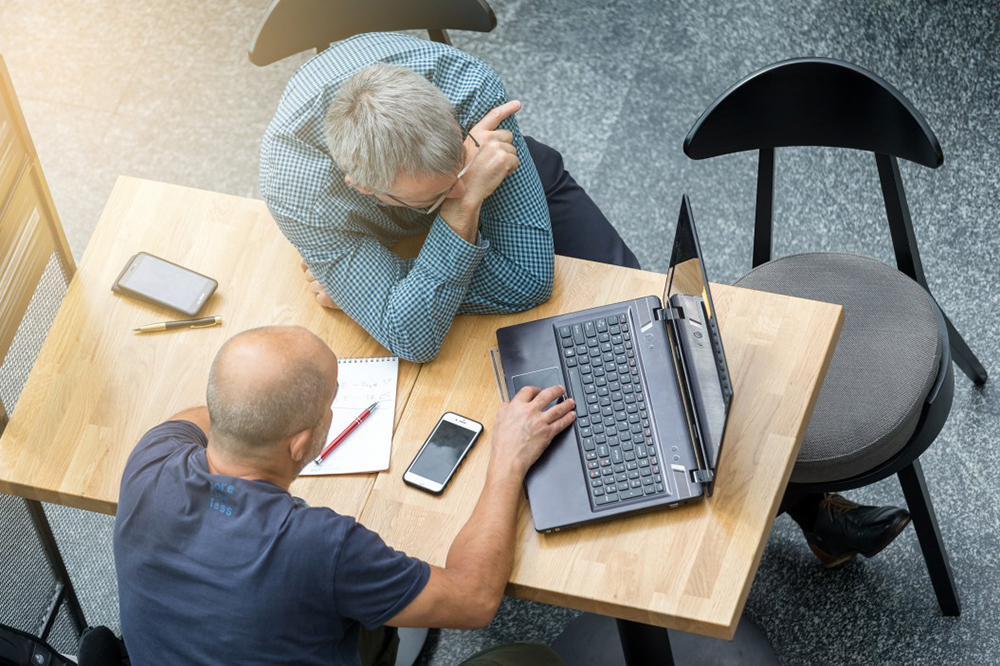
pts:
[298, 444]
[351, 183]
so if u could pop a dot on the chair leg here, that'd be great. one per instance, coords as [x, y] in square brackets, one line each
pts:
[911, 478]
[964, 357]
[439, 35]
[65, 592]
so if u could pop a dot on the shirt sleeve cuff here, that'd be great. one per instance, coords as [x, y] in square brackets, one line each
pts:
[449, 255]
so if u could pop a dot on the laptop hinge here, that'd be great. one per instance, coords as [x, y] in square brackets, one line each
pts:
[702, 475]
[669, 313]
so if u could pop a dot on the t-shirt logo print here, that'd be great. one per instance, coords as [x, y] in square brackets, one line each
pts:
[221, 498]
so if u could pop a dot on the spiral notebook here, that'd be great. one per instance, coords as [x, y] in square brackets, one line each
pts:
[362, 381]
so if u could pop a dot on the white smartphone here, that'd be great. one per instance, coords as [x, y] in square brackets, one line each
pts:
[442, 453]
[163, 282]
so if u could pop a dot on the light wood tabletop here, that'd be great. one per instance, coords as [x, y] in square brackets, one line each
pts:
[96, 387]
[688, 568]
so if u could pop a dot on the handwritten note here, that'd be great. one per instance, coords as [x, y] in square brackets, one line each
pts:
[362, 381]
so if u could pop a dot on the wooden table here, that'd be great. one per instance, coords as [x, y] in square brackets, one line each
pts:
[96, 388]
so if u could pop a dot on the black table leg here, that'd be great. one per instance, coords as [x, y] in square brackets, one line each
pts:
[644, 644]
[593, 640]
[65, 593]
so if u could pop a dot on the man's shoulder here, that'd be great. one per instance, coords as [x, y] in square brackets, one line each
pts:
[322, 75]
[316, 82]
[169, 443]
[310, 525]
[346, 57]
[321, 519]
[161, 440]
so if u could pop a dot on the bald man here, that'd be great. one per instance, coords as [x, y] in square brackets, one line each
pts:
[218, 564]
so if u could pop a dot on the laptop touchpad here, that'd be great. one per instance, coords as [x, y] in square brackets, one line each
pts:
[540, 378]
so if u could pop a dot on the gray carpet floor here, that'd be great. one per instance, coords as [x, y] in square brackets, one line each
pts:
[162, 89]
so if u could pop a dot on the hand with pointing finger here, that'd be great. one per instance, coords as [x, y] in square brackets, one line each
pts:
[495, 160]
[497, 157]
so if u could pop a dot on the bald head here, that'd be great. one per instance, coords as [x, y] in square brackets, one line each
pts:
[266, 384]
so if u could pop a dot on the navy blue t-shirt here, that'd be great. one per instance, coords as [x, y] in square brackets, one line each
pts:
[218, 570]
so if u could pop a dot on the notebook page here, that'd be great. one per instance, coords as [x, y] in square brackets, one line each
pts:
[362, 381]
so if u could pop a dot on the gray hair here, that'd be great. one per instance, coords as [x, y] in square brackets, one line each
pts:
[387, 120]
[248, 414]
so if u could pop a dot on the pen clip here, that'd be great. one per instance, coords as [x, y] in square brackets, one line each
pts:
[214, 323]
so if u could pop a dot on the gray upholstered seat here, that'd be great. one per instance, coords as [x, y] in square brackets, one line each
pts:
[884, 366]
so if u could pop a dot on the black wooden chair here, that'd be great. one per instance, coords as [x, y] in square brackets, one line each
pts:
[293, 26]
[890, 385]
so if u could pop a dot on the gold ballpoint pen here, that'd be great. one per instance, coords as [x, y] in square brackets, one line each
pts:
[184, 323]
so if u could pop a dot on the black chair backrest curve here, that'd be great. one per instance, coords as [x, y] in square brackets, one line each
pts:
[293, 26]
[814, 102]
[820, 102]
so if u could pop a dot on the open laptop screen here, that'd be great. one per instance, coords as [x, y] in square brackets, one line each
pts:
[687, 272]
[687, 277]
[688, 281]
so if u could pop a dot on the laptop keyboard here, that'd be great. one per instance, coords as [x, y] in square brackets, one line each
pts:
[616, 444]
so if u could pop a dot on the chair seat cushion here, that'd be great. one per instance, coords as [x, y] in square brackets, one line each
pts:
[883, 368]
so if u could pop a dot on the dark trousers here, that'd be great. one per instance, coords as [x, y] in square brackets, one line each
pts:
[801, 506]
[579, 228]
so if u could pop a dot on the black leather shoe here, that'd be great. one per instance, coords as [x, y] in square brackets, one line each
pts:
[843, 529]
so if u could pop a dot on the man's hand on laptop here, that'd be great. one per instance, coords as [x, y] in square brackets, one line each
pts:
[497, 158]
[524, 428]
[466, 592]
[314, 286]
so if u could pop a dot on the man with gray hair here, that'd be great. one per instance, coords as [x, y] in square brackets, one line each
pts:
[385, 136]
[218, 564]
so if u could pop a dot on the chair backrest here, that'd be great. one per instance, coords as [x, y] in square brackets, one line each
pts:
[31, 237]
[820, 102]
[814, 102]
[292, 26]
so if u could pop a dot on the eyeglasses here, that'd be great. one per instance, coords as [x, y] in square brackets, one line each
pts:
[431, 209]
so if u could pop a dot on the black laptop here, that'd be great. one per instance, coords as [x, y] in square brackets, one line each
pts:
[652, 393]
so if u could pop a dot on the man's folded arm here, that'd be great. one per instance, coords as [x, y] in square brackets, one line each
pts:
[407, 305]
[517, 269]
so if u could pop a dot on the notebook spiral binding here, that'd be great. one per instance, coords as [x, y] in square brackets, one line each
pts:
[367, 360]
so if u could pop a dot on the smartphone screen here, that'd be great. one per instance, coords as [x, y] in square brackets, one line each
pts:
[442, 452]
[166, 283]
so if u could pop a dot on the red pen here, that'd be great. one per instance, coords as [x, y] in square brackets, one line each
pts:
[347, 431]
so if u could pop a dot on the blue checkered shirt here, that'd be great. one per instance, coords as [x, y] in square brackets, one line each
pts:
[344, 236]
